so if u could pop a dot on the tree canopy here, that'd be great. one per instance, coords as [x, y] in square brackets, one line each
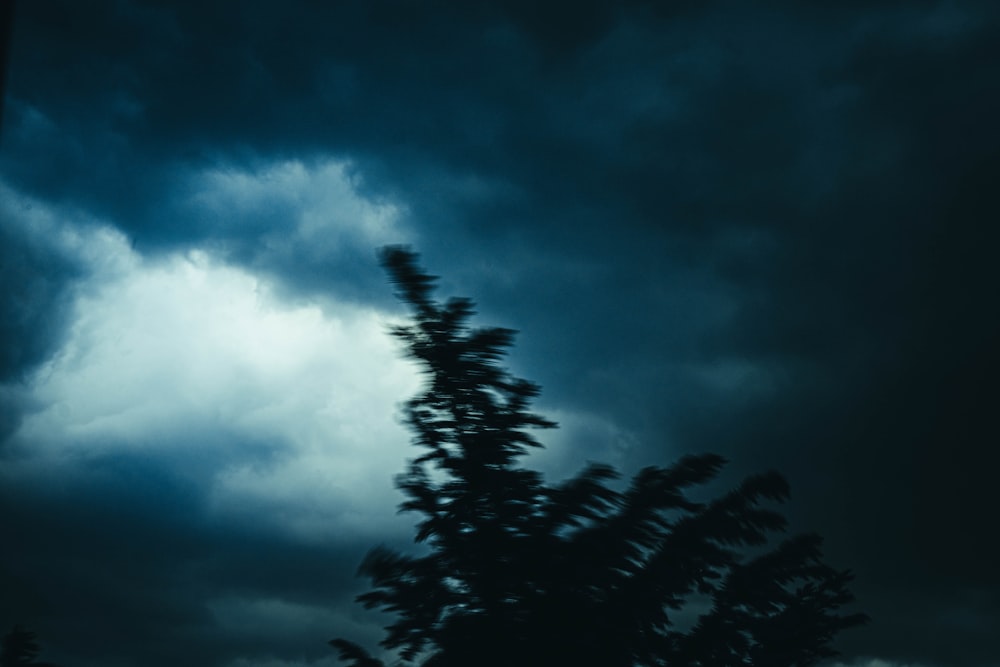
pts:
[521, 573]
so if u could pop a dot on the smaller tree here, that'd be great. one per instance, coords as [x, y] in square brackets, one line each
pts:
[524, 574]
[20, 647]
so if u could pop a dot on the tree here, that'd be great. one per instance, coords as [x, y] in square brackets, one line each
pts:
[521, 573]
[20, 647]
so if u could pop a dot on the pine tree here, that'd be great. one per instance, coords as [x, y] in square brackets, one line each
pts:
[519, 573]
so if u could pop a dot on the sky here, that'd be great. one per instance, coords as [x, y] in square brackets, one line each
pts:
[766, 230]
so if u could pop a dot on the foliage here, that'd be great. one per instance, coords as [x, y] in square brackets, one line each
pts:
[522, 573]
[20, 647]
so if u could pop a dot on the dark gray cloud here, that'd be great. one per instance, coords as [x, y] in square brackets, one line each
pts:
[32, 307]
[762, 231]
[34, 311]
[134, 573]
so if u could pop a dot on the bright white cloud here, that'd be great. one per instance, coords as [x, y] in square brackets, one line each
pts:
[185, 358]
[188, 344]
[190, 338]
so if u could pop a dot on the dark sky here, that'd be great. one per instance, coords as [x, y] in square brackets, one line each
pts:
[767, 230]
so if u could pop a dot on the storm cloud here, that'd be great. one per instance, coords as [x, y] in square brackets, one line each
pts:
[766, 231]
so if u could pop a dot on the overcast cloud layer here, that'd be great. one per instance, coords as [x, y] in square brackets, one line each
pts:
[764, 231]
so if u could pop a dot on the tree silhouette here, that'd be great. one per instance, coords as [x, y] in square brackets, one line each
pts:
[20, 647]
[519, 573]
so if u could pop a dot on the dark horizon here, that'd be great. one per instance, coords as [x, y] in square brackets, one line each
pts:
[763, 232]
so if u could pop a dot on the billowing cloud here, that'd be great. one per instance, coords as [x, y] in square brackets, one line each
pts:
[183, 348]
[183, 386]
